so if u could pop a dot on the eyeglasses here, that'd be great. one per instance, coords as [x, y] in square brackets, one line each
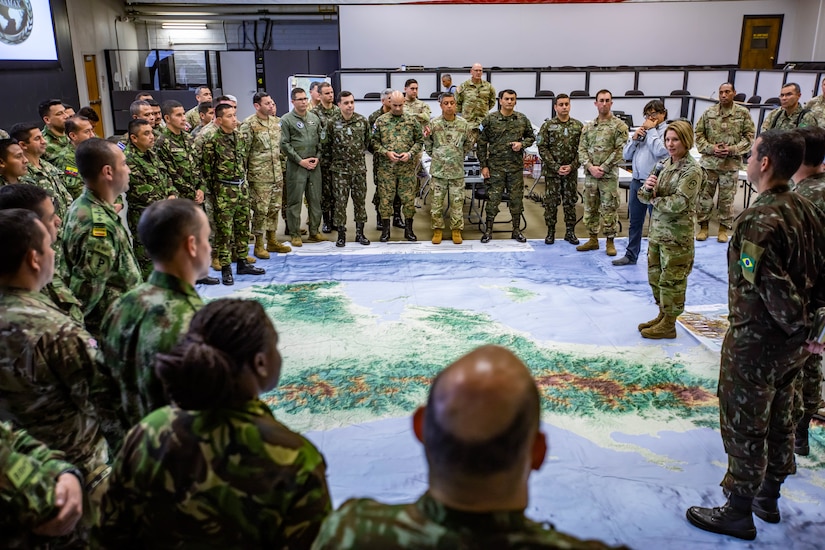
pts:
[652, 115]
[300, 99]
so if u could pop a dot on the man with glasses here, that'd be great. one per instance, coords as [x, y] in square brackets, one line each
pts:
[644, 149]
[723, 133]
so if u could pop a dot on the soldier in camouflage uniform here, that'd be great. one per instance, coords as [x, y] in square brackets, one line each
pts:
[96, 248]
[177, 482]
[503, 137]
[724, 133]
[176, 150]
[397, 221]
[600, 152]
[347, 139]
[39, 171]
[484, 394]
[13, 162]
[301, 143]
[327, 111]
[79, 129]
[474, 98]
[558, 143]
[40, 492]
[396, 140]
[447, 142]
[809, 181]
[148, 319]
[262, 133]
[52, 378]
[202, 95]
[54, 116]
[817, 106]
[670, 248]
[421, 111]
[790, 114]
[775, 260]
[223, 161]
[148, 183]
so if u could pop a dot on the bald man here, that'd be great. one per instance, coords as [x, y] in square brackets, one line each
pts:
[480, 431]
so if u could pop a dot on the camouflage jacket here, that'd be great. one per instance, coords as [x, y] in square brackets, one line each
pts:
[48, 177]
[733, 127]
[52, 379]
[813, 189]
[674, 202]
[775, 276]
[148, 182]
[447, 144]
[347, 140]
[365, 524]
[496, 132]
[558, 144]
[401, 134]
[778, 119]
[474, 101]
[99, 257]
[371, 120]
[29, 471]
[67, 167]
[146, 321]
[601, 144]
[54, 143]
[223, 157]
[264, 142]
[229, 478]
[192, 116]
[418, 109]
[817, 107]
[177, 154]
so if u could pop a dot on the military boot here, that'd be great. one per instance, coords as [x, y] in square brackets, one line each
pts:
[723, 234]
[487, 236]
[260, 249]
[551, 236]
[250, 259]
[766, 502]
[652, 322]
[342, 236]
[517, 236]
[226, 275]
[326, 227]
[570, 235]
[316, 238]
[408, 231]
[591, 244]
[457, 236]
[216, 264]
[385, 230]
[396, 217]
[208, 281]
[359, 234]
[274, 245]
[610, 249]
[296, 241]
[243, 268]
[734, 518]
[801, 445]
[664, 329]
[702, 235]
[378, 224]
[437, 236]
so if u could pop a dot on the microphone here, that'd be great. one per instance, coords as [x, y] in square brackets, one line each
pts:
[657, 169]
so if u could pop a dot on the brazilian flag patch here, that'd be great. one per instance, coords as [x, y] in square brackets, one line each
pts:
[749, 260]
[747, 263]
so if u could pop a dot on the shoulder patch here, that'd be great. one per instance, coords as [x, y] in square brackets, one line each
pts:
[749, 258]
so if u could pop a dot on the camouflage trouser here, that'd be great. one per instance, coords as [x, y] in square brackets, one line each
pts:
[327, 189]
[144, 261]
[501, 179]
[231, 220]
[560, 190]
[668, 267]
[391, 180]
[726, 180]
[807, 388]
[601, 202]
[452, 190]
[265, 203]
[344, 185]
[755, 399]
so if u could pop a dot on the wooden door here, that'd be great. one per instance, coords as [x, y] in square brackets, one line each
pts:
[759, 46]
[90, 66]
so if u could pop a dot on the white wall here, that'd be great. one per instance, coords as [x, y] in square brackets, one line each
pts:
[566, 34]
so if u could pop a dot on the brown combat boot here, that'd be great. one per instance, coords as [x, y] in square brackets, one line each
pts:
[652, 322]
[250, 259]
[316, 238]
[296, 241]
[591, 244]
[216, 264]
[610, 249]
[437, 236]
[260, 249]
[274, 245]
[702, 235]
[457, 236]
[664, 329]
[723, 234]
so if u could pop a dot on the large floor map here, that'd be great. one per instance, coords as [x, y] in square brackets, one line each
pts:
[632, 424]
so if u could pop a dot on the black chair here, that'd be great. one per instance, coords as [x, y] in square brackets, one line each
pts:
[680, 92]
[545, 93]
[480, 196]
[634, 92]
[772, 101]
[755, 99]
[579, 93]
[372, 95]
[739, 97]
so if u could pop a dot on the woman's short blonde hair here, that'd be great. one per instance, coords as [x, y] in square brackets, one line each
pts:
[683, 130]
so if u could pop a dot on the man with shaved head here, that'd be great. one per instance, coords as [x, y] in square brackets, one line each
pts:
[480, 430]
[475, 97]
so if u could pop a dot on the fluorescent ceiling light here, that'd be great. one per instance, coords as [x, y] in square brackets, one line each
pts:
[184, 26]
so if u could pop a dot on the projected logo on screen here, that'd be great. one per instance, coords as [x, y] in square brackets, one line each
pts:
[16, 21]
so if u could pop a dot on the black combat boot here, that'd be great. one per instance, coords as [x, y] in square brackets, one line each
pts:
[397, 221]
[208, 281]
[551, 236]
[243, 268]
[487, 236]
[766, 502]
[516, 235]
[226, 275]
[408, 231]
[378, 225]
[342, 236]
[385, 230]
[570, 235]
[326, 227]
[359, 234]
[734, 518]
[801, 445]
